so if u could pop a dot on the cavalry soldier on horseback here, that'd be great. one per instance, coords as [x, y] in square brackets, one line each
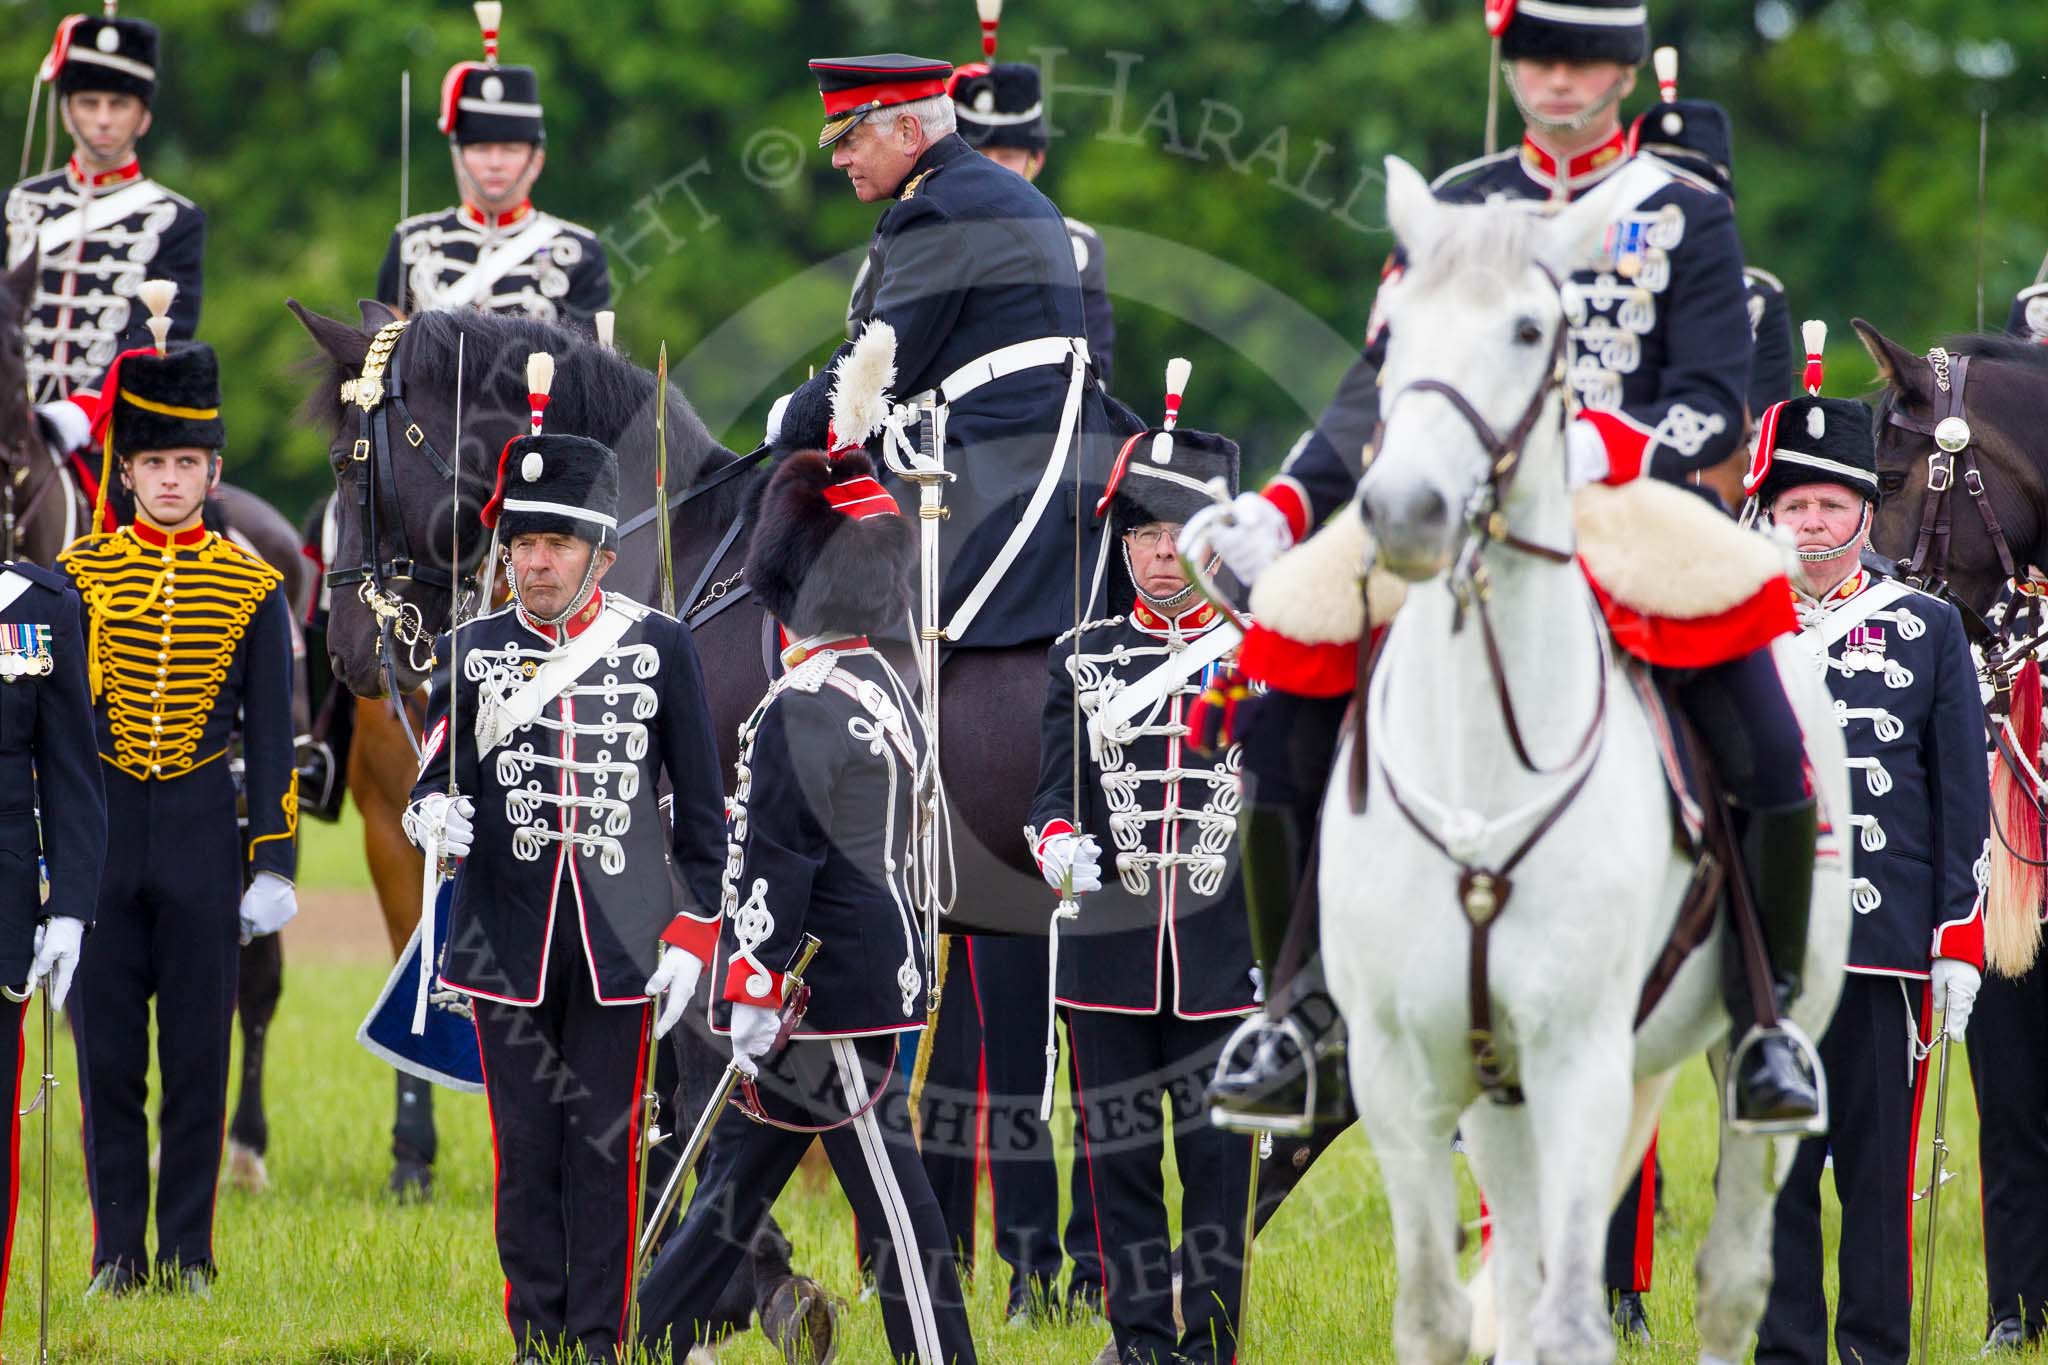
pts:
[495, 250]
[99, 226]
[559, 717]
[1905, 688]
[975, 270]
[188, 639]
[1658, 363]
[1146, 1020]
[824, 839]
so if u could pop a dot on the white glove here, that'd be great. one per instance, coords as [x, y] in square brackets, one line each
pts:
[450, 820]
[268, 905]
[1079, 852]
[753, 1032]
[1248, 535]
[1957, 982]
[1585, 455]
[773, 431]
[56, 957]
[675, 983]
[70, 429]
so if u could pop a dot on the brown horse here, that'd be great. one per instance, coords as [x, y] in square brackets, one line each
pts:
[1984, 557]
[43, 507]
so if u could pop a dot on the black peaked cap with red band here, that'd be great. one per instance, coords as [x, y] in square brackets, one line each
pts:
[854, 87]
[831, 550]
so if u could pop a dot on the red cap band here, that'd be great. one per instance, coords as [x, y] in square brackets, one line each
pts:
[888, 92]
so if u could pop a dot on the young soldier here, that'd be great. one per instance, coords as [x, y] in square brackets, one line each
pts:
[188, 639]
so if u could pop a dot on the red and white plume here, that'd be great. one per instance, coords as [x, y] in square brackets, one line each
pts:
[860, 389]
[1177, 372]
[1666, 60]
[991, 12]
[540, 381]
[1814, 333]
[488, 15]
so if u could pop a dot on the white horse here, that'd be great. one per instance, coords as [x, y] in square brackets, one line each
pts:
[1592, 902]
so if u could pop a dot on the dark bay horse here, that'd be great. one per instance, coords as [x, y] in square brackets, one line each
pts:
[991, 699]
[1964, 512]
[43, 507]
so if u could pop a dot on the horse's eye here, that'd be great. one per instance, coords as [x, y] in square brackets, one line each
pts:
[1891, 481]
[1527, 331]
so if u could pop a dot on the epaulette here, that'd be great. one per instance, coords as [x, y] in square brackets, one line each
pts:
[38, 575]
[173, 195]
[1765, 277]
[253, 560]
[1680, 174]
[1477, 163]
[1087, 626]
[419, 218]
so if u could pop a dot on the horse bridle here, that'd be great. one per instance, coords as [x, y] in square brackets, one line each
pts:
[1483, 891]
[378, 394]
[1954, 455]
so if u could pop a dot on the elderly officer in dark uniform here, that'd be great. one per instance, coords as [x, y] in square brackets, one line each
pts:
[50, 769]
[825, 839]
[573, 704]
[1898, 664]
[1660, 346]
[188, 638]
[99, 226]
[495, 250]
[1156, 969]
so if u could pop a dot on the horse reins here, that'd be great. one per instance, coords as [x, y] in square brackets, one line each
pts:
[1483, 891]
[1954, 454]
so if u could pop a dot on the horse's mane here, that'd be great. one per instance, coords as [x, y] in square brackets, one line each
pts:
[597, 392]
[1481, 246]
[1996, 346]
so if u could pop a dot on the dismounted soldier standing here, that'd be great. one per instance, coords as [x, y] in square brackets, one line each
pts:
[573, 704]
[824, 840]
[188, 640]
[495, 250]
[99, 226]
[1660, 343]
[53, 768]
[1156, 971]
[1905, 689]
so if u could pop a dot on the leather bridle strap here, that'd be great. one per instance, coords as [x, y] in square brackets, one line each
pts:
[1929, 563]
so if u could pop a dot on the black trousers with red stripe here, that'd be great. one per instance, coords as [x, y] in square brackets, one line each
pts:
[12, 1014]
[2008, 1043]
[564, 1078]
[817, 1081]
[1873, 1098]
[166, 926]
[1133, 1067]
[1632, 1232]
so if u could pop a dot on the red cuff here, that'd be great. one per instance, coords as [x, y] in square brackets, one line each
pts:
[741, 981]
[1045, 836]
[697, 937]
[1963, 940]
[1627, 444]
[1285, 494]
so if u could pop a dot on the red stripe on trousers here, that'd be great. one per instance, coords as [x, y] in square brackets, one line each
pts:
[633, 1175]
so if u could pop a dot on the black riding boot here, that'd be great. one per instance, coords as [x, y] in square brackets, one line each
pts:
[1776, 1080]
[1262, 1078]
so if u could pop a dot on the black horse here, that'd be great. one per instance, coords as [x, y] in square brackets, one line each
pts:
[43, 507]
[991, 699]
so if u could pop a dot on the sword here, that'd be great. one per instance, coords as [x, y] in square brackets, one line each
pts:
[664, 552]
[1983, 149]
[1935, 1178]
[794, 1000]
[443, 865]
[404, 144]
[42, 1101]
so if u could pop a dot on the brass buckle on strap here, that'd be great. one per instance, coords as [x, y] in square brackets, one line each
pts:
[1940, 472]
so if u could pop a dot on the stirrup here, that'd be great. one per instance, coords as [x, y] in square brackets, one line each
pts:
[1314, 1054]
[1817, 1126]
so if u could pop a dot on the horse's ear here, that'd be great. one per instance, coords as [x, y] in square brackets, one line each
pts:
[344, 344]
[21, 283]
[1412, 210]
[1898, 367]
[377, 314]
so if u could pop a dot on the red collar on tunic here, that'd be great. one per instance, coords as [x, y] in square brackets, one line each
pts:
[102, 179]
[577, 624]
[1583, 171]
[476, 217]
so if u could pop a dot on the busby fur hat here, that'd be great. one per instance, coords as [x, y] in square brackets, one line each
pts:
[1571, 30]
[1693, 134]
[1143, 490]
[1000, 105]
[831, 551]
[109, 54]
[1816, 440]
[560, 485]
[485, 102]
[169, 401]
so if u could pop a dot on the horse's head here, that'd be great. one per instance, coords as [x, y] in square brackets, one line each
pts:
[2005, 386]
[397, 557]
[1474, 361]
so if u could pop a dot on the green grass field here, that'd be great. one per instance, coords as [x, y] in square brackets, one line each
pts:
[325, 1268]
